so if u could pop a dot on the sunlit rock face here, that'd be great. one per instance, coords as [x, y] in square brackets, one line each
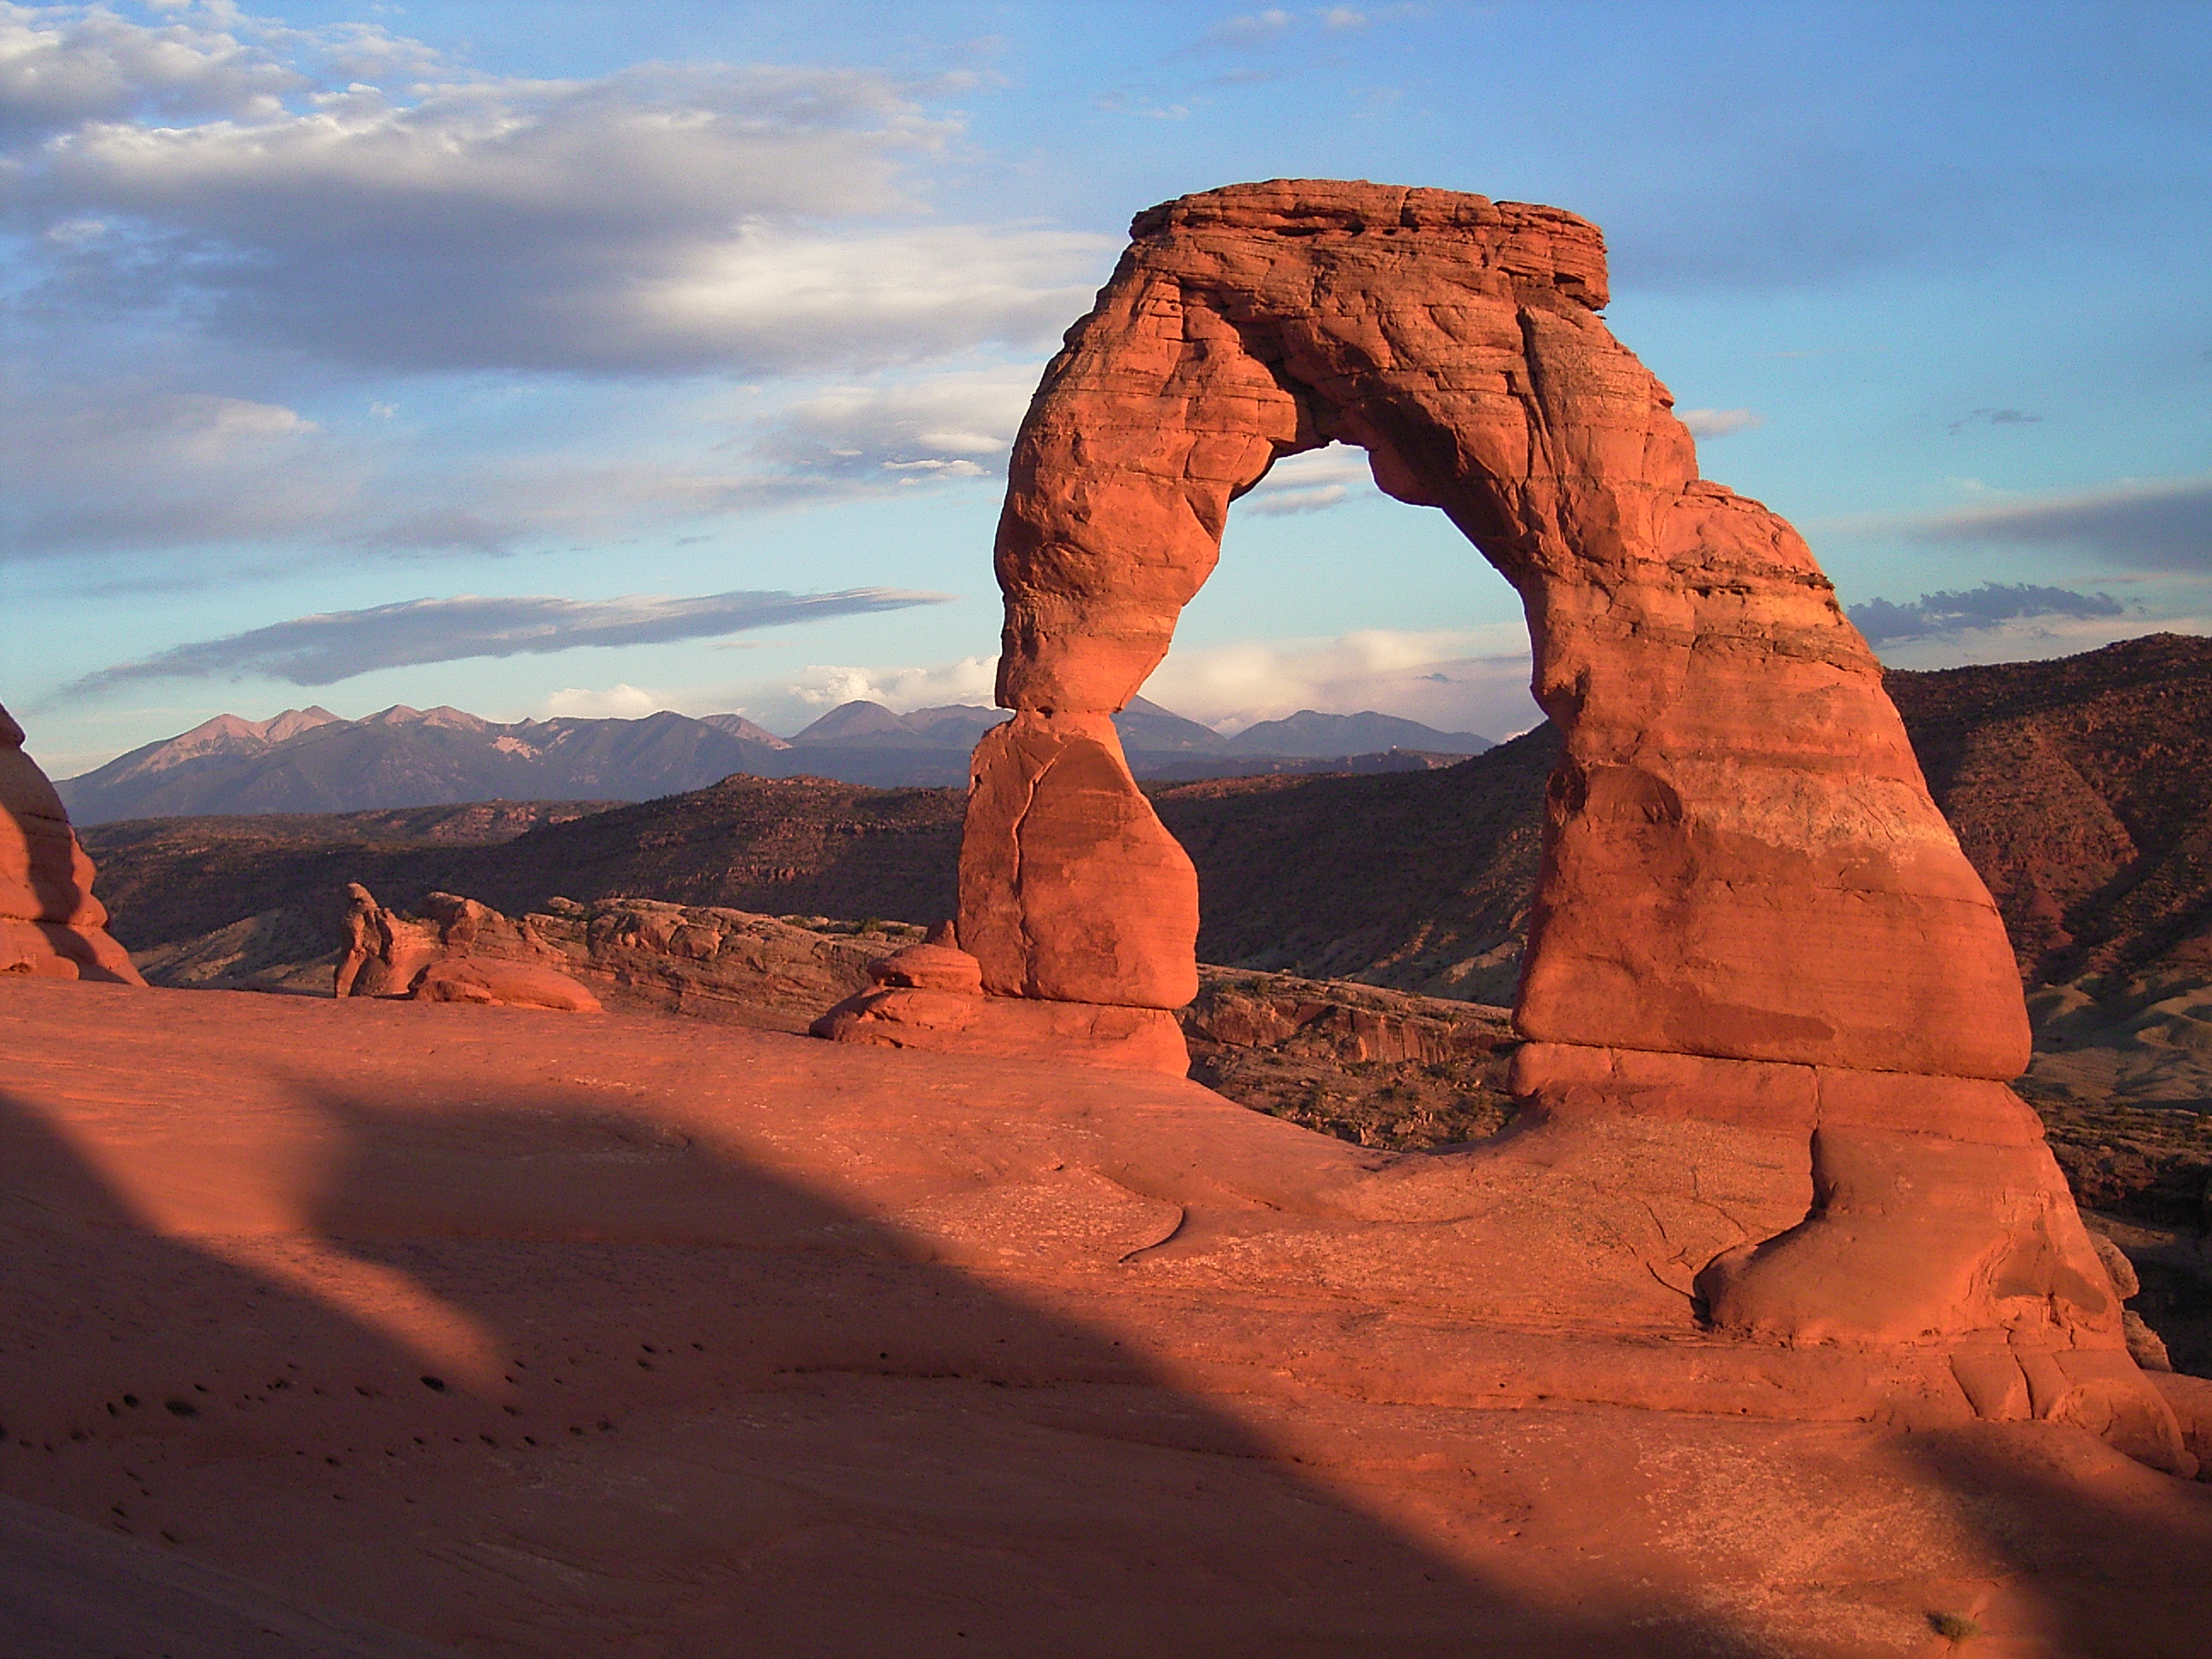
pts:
[1744, 862]
[49, 923]
[1750, 912]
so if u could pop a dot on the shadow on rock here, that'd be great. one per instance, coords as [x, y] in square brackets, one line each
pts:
[729, 1414]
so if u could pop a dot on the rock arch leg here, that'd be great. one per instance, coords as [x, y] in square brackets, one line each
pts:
[1750, 913]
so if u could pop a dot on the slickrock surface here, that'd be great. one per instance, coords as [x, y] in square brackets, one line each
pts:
[69, 1589]
[1749, 913]
[49, 923]
[533, 1335]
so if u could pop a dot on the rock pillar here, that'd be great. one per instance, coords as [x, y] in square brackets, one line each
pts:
[49, 923]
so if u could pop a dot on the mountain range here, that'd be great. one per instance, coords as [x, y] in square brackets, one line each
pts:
[2081, 789]
[309, 760]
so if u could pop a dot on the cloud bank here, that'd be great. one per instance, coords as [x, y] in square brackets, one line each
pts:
[322, 650]
[349, 194]
[1938, 614]
[1311, 483]
[2165, 526]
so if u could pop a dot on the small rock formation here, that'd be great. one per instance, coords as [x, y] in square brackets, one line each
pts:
[1750, 917]
[2143, 1343]
[49, 923]
[506, 984]
[459, 951]
[931, 996]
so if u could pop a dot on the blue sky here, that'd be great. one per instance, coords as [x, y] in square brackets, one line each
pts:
[596, 358]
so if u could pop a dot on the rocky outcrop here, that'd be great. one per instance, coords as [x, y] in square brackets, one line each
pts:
[49, 923]
[1743, 861]
[1750, 913]
[711, 962]
[1375, 1066]
[931, 996]
[640, 954]
[457, 950]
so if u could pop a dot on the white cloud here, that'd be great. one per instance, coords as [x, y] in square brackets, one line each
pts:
[62, 65]
[959, 424]
[199, 466]
[970, 680]
[621, 702]
[1473, 679]
[659, 218]
[265, 196]
[322, 650]
[1248, 29]
[1719, 422]
[1318, 479]
[1457, 679]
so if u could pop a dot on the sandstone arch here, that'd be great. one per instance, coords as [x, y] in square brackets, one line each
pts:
[1750, 914]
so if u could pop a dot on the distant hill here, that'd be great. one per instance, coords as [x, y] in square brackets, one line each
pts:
[1146, 729]
[862, 725]
[738, 726]
[2081, 788]
[311, 761]
[1309, 734]
[780, 847]
[404, 757]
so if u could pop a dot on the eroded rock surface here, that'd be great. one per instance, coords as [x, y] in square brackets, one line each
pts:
[931, 996]
[644, 954]
[1753, 932]
[49, 923]
[457, 950]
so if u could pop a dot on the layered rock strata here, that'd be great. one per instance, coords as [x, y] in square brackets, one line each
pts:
[1750, 916]
[50, 922]
[457, 950]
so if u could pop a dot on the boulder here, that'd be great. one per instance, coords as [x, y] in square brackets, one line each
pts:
[507, 984]
[49, 923]
[928, 967]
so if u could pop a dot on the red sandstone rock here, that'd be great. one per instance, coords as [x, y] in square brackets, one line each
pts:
[459, 951]
[49, 923]
[928, 967]
[1071, 889]
[1743, 860]
[507, 984]
[1750, 914]
[1013, 1028]
[755, 1345]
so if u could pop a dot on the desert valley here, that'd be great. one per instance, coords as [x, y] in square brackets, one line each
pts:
[1722, 1172]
